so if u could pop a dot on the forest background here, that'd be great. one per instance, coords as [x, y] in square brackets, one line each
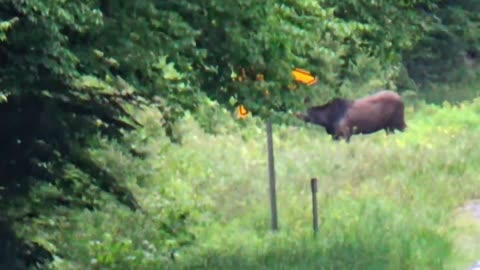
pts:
[120, 148]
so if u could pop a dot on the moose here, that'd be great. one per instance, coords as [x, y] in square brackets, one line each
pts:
[343, 117]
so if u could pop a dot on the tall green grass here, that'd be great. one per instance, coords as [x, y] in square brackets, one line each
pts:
[385, 202]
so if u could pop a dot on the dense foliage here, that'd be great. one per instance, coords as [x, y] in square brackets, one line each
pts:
[91, 93]
[451, 43]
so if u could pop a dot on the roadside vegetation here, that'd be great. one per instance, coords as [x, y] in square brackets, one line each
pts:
[121, 148]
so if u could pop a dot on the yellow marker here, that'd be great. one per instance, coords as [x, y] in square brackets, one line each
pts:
[260, 77]
[304, 76]
[242, 112]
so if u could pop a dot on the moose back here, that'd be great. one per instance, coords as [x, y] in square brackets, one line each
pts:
[342, 117]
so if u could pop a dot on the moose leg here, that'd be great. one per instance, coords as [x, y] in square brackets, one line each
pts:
[390, 130]
[344, 132]
[347, 134]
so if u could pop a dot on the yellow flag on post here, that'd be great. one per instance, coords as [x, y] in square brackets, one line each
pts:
[242, 112]
[304, 76]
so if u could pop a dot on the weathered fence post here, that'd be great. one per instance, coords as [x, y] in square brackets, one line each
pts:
[271, 171]
[314, 186]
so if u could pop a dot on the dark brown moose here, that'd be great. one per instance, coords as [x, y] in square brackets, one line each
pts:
[343, 118]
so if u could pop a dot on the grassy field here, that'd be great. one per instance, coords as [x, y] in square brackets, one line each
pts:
[385, 202]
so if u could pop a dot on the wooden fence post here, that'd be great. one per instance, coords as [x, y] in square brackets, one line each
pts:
[271, 170]
[314, 186]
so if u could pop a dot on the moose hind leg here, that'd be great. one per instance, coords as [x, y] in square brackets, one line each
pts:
[398, 121]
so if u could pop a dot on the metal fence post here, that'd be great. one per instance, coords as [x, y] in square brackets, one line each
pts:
[271, 170]
[314, 186]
